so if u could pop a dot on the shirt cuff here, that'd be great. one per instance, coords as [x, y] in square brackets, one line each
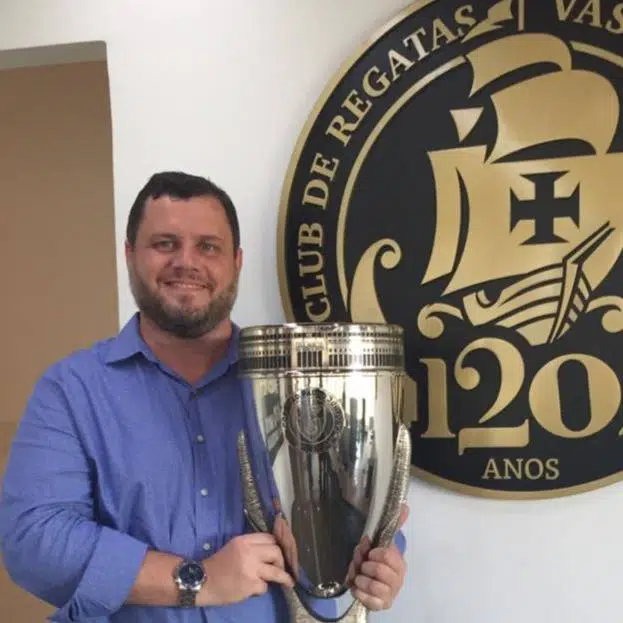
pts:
[400, 541]
[108, 578]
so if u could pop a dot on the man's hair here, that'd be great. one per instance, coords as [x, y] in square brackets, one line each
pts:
[179, 185]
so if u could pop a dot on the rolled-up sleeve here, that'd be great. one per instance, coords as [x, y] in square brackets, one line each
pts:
[52, 546]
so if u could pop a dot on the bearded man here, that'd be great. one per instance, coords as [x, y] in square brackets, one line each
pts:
[122, 500]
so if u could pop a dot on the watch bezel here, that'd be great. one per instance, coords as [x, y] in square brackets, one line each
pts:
[187, 585]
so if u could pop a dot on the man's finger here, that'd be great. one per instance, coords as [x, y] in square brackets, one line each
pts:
[292, 560]
[404, 515]
[270, 554]
[270, 573]
[365, 545]
[350, 574]
[381, 573]
[373, 587]
[258, 538]
[259, 587]
[369, 601]
[389, 556]
[357, 557]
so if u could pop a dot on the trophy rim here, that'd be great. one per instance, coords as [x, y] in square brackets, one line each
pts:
[320, 348]
[323, 328]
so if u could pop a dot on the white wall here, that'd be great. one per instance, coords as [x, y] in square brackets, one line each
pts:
[222, 87]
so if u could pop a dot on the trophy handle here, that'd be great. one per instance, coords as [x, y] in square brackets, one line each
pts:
[397, 495]
[252, 502]
[388, 524]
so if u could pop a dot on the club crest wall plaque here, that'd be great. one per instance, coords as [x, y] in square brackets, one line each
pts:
[462, 177]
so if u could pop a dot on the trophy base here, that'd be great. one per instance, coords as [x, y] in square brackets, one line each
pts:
[357, 613]
[388, 524]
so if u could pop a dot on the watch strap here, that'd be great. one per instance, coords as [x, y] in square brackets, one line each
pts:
[186, 594]
[187, 598]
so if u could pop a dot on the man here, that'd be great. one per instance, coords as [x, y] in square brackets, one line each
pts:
[122, 499]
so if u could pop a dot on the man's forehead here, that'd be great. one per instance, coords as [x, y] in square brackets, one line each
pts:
[197, 209]
[193, 219]
[177, 204]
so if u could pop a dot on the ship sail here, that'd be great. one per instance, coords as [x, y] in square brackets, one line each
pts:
[465, 120]
[490, 249]
[488, 210]
[573, 104]
[505, 56]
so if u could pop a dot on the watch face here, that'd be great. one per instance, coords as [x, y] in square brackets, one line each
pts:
[191, 574]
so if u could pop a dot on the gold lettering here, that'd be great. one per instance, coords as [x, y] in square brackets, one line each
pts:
[316, 193]
[380, 85]
[617, 14]
[324, 166]
[494, 437]
[514, 466]
[319, 303]
[512, 373]
[462, 18]
[315, 290]
[438, 425]
[358, 107]
[540, 469]
[604, 396]
[310, 234]
[311, 263]
[564, 9]
[552, 470]
[323, 314]
[399, 63]
[593, 10]
[306, 268]
[414, 40]
[530, 469]
[491, 470]
[342, 129]
[440, 30]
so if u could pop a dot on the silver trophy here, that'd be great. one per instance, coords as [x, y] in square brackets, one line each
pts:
[328, 400]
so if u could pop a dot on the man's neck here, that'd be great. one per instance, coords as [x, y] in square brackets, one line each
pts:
[190, 358]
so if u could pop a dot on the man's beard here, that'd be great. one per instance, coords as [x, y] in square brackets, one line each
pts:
[180, 320]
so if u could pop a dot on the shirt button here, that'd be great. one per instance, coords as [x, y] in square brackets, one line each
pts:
[207, 547]
[200, 438]
[204, 492]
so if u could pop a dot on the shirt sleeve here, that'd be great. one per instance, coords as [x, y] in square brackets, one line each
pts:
[400, 541]
[51, 543]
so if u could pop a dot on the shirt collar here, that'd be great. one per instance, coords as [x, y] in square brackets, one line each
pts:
[233, 351]
[129, 342]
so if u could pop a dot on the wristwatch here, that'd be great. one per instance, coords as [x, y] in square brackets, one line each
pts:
[189, 577]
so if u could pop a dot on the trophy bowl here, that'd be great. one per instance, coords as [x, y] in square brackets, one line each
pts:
[328, 404]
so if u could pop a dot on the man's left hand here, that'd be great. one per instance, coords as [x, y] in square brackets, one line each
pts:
[380, 572]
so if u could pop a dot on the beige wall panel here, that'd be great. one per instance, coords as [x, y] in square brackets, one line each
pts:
[58, 241]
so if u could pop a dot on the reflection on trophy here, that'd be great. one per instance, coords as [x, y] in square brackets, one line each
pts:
[328, 400]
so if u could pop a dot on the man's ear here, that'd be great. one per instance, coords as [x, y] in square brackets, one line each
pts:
[129, 251]
[238, 260]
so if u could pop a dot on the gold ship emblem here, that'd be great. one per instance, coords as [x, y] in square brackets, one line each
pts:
[523, 241]
[549, 226]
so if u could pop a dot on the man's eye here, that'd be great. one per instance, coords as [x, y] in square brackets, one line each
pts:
[164, 245]
[208, 246]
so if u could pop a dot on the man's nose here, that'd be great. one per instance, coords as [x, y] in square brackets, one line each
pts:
[185, 256]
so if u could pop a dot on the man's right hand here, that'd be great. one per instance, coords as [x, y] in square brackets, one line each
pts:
[243, 568]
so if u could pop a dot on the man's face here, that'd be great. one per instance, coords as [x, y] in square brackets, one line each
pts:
[183, 269]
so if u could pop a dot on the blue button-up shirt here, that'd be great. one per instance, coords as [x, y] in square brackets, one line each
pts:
[116, 454]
